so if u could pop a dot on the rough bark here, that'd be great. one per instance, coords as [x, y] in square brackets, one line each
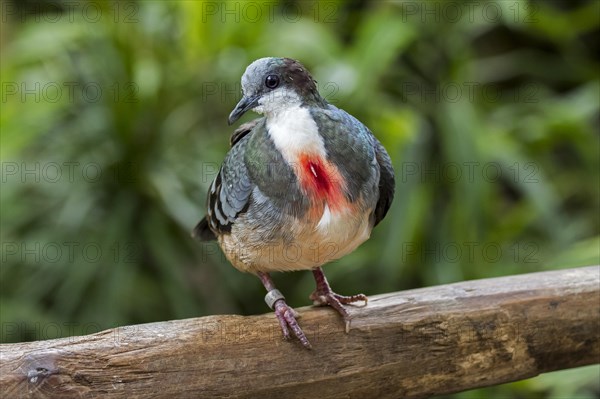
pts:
[413, 343]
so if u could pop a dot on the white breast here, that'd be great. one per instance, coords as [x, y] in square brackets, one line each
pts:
[294, 132]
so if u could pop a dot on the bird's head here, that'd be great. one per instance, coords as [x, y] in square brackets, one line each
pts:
[272, 84]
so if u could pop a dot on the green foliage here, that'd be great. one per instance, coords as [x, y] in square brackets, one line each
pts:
[112, 130]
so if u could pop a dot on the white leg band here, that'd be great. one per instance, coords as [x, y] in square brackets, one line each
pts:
[272, 297]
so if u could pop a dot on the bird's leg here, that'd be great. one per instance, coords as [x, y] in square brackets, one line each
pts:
[285, 314]
[324, 295]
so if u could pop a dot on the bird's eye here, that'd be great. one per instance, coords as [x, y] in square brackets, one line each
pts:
[272, 81]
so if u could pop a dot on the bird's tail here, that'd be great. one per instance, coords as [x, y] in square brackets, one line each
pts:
[203, 232]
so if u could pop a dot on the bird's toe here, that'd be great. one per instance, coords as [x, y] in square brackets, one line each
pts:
[287, 320]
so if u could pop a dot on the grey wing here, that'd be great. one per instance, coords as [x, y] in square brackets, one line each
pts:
[229, 194]
[356, 172]
[387, 182]
[242, 131]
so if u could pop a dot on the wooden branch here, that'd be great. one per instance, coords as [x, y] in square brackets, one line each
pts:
[407, 344]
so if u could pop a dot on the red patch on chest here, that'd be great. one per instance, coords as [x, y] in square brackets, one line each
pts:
[318, 177]
[322, 181]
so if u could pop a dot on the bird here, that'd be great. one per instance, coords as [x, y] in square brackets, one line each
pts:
[302, 185]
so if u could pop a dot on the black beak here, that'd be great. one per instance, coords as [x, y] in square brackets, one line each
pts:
[245, 104]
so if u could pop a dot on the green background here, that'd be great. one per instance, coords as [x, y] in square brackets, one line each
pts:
[113, 126]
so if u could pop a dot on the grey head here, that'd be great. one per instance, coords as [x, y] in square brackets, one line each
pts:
[271, 84]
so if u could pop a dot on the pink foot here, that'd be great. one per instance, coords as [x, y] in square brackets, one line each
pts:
[285, 314]
[287, 318]
[324, 295]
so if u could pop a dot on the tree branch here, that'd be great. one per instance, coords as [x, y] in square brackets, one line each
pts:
[413, 343]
